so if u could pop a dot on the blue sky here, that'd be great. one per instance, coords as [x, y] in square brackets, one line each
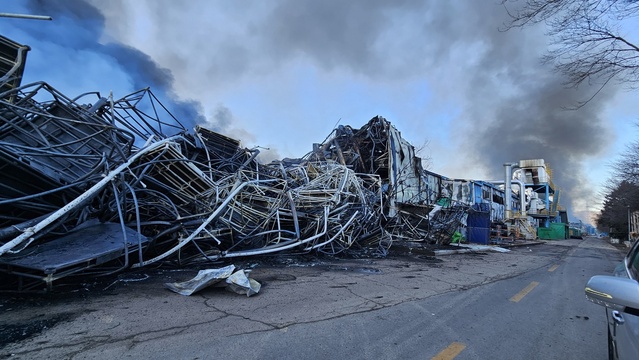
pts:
[282, 74]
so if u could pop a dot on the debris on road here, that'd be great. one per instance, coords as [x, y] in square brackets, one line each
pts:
[203, 279]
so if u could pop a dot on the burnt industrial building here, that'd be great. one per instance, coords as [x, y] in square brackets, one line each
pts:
[94, 185]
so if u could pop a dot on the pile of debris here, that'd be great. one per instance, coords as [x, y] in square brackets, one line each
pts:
[94, 185]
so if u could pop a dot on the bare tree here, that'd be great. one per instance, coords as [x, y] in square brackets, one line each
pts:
[621, 198]
[427, 159]
[588, 42]
[627, 167]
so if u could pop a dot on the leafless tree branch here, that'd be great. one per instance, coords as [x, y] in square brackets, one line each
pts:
[588, 45]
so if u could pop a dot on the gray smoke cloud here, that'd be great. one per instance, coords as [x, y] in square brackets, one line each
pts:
[513, 106]
[223, 118]
[532, 119]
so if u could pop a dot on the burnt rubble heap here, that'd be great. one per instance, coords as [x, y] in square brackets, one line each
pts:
[90, 185]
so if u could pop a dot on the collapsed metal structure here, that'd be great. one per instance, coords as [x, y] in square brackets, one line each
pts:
[94, 185]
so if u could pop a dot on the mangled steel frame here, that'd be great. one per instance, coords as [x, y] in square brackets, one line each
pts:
[112, 184]
[186, 196]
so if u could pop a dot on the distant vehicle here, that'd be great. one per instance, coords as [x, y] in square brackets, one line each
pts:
[620, 295]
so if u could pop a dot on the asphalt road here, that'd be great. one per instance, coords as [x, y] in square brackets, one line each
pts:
[525, 304]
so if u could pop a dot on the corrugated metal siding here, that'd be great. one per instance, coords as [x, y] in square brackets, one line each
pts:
[433, 187]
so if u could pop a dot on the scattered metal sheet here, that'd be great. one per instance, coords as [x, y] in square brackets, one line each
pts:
[203, 279]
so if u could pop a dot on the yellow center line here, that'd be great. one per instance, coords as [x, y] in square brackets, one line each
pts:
[520, 295]
[553, 268]
[450, 352]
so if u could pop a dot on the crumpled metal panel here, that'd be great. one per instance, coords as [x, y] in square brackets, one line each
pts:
[240, 283]
[202, 280]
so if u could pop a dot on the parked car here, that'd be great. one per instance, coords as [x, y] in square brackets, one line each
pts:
[620, 295]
